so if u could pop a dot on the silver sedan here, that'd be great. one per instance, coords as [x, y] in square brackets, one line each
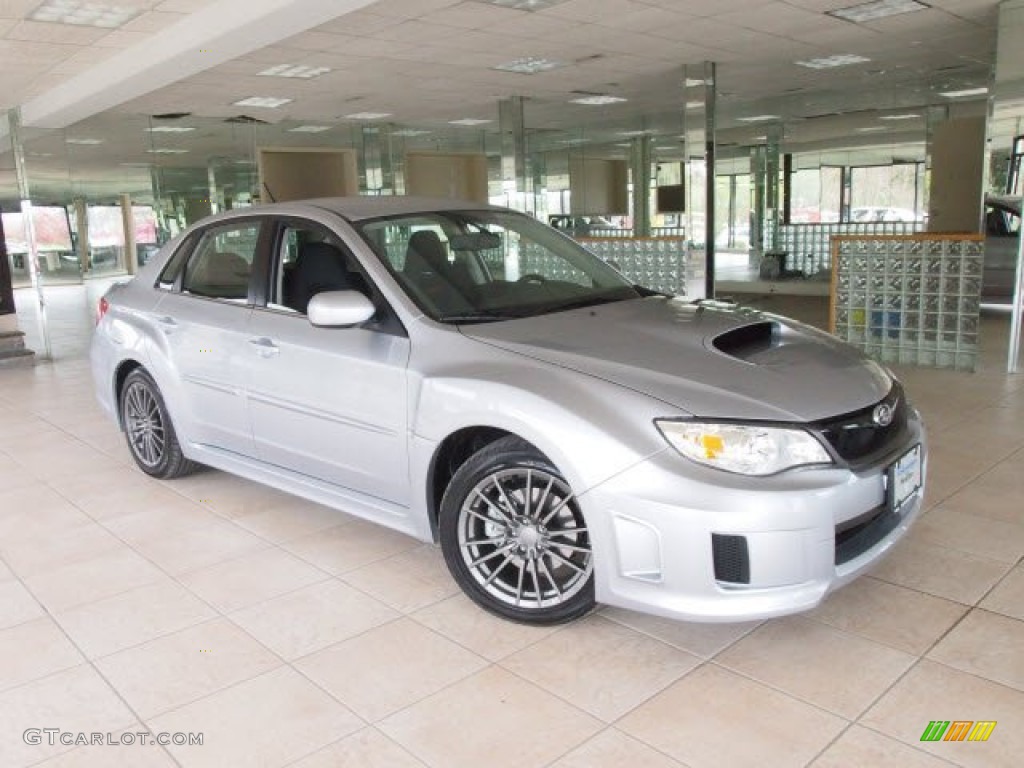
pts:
[469, 376]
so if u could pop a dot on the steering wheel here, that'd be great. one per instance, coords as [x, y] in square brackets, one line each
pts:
[532, 277]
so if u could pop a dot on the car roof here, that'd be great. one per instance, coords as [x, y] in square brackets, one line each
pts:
[364, 207]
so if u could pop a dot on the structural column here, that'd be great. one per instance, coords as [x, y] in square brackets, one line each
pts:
[131, 254]
[641, 171]
[515, 182]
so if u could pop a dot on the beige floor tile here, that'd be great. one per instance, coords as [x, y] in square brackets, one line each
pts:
[369, 748]
[377, 673]
[131, 618]
[290, 521]
[312, 618]
[32, 650]
[602, 667]
[137, 754]
[940, 571]
[119, 492]
[886, 613]
[406, 582]
[841, 672]
[995, 495]
[492, 718]
[47, 553]
[179, 668]
[988, 645]
[614, 749]
[34, 513]
[74, 700]
[1008, 596]
[228, 495]
[461, 620]
[16, 604]
[251, 579]
[933, 691]
[94, 579]
[349, 546]
[6, 574]
[704, 640]
[863, 747]
[714, 717]
[293, 719]
[185, 546]
[945, 526]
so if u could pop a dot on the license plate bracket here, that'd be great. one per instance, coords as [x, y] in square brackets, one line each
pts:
[903, 479]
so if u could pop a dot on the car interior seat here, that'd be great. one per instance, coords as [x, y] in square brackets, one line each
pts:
[320, 267]
[221, 275]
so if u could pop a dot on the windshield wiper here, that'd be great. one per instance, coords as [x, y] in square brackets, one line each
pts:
[587, 301]
[473, 317]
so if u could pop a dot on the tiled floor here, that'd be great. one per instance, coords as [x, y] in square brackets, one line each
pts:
[293, 635]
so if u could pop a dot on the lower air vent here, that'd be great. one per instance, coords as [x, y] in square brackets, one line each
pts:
[731, 558]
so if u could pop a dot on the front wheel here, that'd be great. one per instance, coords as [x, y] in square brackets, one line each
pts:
[514, 538]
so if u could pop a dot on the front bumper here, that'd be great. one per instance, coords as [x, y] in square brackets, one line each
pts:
[687, 542]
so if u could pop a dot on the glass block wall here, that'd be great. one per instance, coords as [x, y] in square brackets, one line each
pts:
[660, 263]
[913, 300]
[809, 245]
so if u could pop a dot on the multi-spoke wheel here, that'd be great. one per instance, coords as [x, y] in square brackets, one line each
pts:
[514, 537]
[148, 429]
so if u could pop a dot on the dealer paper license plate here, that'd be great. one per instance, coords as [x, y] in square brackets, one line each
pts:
[904, 478]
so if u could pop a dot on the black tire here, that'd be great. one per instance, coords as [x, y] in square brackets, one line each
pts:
[148, 430]
[528, 562]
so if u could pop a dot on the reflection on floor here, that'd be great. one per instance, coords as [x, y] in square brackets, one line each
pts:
[290, 634]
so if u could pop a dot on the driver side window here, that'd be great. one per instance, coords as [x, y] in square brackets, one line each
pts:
[309, 260]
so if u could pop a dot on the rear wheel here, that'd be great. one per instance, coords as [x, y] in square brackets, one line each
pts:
[514, 537]
[148, 428]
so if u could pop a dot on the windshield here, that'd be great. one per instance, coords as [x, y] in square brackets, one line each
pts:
[480, 266]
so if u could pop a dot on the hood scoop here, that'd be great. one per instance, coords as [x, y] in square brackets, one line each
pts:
[748, 341]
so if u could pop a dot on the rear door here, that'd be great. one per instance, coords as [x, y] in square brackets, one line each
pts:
[203, 321]
[330, 403]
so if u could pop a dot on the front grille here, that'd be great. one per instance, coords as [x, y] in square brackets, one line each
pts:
[856, 437]
[731, 558]
[855, 537]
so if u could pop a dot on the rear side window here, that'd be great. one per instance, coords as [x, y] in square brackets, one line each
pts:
[170, 272]
[221, 264]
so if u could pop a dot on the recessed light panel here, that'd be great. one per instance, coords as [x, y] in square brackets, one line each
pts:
[295, 70]
[758, 118]
[407, 132]
[267, 102]
[894, 118]
[367, 115]
[831, 62]
[872, 129]
[880, 9]
[469, 121]
[309, 129]
[167, 151]
[528, 65]
[964, 93]
[597, 100]
[84, 142]
[84, 13]
[170, 129]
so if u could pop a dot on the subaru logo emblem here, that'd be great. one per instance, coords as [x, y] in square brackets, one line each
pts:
[882, 415]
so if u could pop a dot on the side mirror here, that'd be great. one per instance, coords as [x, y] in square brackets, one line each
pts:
[339, 309]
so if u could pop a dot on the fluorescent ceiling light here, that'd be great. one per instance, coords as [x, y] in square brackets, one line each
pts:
[469, 121]
[695, 105]
[167, 151]
[135, 165]
[908, 116]
[644, 132]
[760, 138]
[693, 82]
[872, 129]
[597, 100]
[410, 132]
[524, 5]
[295, 70]
[309, 129]
[268, 102]
[170, 129]
[367, 115]
[528, 65]
[84, 142]
[879, 9]
[84, 13]
[758, 118]
[831, 62]
[964, 92]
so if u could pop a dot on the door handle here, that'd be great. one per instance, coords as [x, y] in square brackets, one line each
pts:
[265, 347]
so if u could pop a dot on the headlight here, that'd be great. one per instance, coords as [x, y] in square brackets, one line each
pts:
[742, 448]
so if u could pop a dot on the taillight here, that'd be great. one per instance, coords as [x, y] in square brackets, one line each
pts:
[101, 309]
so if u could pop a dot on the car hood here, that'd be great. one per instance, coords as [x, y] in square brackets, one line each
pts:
[712, 362]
